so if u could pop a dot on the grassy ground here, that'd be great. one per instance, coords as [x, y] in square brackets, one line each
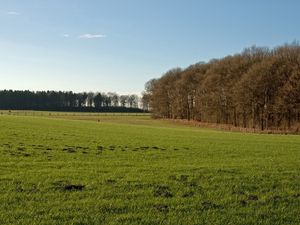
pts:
[115, 169]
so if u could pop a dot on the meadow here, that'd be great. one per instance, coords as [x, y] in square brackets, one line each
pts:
[78, 168]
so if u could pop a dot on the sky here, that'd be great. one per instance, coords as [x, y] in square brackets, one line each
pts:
[118, 45]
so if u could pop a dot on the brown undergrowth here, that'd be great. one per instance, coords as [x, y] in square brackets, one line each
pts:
[229, 127]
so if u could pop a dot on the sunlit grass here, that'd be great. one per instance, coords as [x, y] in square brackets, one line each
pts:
[116, 169]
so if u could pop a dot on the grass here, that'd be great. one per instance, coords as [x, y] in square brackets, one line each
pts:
[58, 168]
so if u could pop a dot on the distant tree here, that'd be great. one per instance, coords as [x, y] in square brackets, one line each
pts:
[90, 99]
[81, 99]
[98, 100]
[145, 101]
[106, 100]
[114, 97]
[133, 101]
[123, 100]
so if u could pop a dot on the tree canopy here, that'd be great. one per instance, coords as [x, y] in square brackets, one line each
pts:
[258, 88]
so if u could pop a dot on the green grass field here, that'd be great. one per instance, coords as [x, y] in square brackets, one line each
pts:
[58, 168]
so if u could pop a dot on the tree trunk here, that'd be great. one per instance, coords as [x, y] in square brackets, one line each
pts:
[289, 118]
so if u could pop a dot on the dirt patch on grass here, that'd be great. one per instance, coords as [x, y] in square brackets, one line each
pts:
[206, 205]
[64, 186]
[73, 187]
[252, 198]
[110, 181]
[162, 191]
[69, 149]
[188, 194]
[161, 208]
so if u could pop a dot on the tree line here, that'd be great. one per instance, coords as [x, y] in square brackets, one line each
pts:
[68, 101]
[257, 88]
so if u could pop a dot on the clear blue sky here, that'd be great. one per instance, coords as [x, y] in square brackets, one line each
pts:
[118, 45]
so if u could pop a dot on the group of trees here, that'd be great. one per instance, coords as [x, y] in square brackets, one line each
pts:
[258, 88]
[68, 101]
